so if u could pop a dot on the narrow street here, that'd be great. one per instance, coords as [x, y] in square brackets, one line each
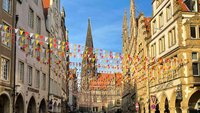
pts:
[99, 56]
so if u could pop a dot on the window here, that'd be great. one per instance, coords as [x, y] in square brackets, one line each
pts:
[162, 44]
[44, 53]
[169, 12]
[172, 37]
[4, 68]
[195, 64]
[43, 81]
[193, 32]
[199, 31]
[30, 49]
[192, 5]
[30, 72]
[153, 50]
[154, 26]
[6, 36]
[31, 18]
[195, 68]
[37, 80]
[161, 21]
[194, 56]
[21, 71]
[38, 52]
[7, 5]
[38, 25]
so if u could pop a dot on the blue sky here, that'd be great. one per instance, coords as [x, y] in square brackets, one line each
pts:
[106, 20]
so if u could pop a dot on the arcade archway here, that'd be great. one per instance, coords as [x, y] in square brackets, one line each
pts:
[31, 106]
[194, 102]
[4, 103]
[19, 106]
[42, 108]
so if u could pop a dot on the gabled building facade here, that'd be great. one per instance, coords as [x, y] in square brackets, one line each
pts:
[174, 33]
[165, 67]
[7, 22]
[55, 22]
[32, 68]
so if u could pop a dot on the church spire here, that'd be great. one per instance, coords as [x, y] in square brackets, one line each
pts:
[89, 40]
[132, 19]
[125, 32]
[132, 8]
[125, 22]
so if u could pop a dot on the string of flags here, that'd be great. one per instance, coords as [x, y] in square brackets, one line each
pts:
[106, 61]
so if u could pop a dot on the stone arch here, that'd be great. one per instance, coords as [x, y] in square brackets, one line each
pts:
[55, 106]
[42, 107]
[194, 101]
[19, 104]
[59, 107]
[5, 102]
[31, 105]
[164, 103]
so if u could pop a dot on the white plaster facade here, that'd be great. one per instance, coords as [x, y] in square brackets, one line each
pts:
[23, 88]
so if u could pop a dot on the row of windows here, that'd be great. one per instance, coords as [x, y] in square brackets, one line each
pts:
[195, 64]
[38, 76]
[31, 21]
[162, 43]
[161, 19]
[38, 52]
[192, 5]
[195, 32]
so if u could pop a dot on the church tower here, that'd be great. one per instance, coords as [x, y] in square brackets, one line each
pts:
[88, 71]
[88, 59]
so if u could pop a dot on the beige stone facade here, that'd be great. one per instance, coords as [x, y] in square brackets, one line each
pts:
[169, 80]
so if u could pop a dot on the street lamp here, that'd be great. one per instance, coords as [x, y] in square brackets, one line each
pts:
[179, 92]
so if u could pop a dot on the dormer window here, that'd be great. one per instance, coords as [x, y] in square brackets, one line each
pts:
[192, 5]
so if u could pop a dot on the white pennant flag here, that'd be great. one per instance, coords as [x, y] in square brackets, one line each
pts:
[58, 46]
[46, 39]
[16, 30]
[59, 42]
[31, 34]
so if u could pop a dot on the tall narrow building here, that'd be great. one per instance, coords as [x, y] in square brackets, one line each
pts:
[7, 22]
[88, 71]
